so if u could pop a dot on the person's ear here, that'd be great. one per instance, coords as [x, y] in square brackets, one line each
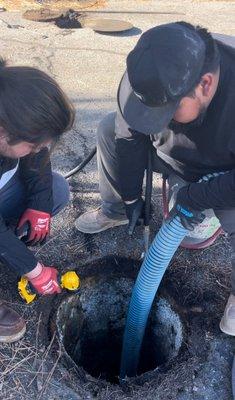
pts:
[206, 84]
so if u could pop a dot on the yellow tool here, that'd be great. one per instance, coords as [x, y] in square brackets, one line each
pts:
[69, 281]
[24, 290]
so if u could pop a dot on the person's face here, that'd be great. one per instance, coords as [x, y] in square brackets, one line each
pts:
[190, 108]
[19, 150]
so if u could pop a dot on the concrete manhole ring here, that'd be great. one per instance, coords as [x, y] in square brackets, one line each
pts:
[90, 328]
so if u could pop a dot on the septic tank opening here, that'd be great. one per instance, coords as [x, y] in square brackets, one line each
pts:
[91, 327]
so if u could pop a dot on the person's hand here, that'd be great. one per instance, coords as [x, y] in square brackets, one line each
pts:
[46, 282]
[189, 218]
[134, 213]
[33, 227]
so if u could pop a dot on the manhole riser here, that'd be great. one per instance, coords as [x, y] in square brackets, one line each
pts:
[91, 326]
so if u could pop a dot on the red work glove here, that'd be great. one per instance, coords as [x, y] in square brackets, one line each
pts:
[46, 282]
[37, 226]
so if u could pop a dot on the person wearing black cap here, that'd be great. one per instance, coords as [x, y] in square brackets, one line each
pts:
[177, 97]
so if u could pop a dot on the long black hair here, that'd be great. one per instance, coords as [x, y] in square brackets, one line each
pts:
[33, 107]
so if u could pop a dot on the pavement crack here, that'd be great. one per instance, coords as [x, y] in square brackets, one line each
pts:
[41, 45]
[83, 142]
[6, 23]
[11, 26]
[49, 59]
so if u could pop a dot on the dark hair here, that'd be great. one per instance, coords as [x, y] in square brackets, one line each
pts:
[33, 108]
[212, 55]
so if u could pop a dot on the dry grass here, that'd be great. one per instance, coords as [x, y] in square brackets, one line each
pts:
[193, 281]
[26, 369]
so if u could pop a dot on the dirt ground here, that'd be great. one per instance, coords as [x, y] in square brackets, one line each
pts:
[88, 66]
[16, 5]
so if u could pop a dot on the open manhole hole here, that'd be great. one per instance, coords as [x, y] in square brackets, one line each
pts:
[91, 326]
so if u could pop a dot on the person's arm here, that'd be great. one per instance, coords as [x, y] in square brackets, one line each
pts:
[132, 152]
[36, 174]
[217, 193]
[13, 252]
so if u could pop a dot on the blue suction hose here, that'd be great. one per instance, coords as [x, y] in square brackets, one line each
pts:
[151, 273]
[149, 278]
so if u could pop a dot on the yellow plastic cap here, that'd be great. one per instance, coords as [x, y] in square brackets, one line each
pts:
[70, 280]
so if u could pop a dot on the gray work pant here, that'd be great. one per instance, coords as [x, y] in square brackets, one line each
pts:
[111, 201]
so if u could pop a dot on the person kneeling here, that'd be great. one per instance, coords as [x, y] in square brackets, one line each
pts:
[34, 113]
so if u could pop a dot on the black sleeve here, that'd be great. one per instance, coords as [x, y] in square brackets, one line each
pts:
[13, 252]
[132, 154]
[36, 174]
[132, 160]
[217, 193]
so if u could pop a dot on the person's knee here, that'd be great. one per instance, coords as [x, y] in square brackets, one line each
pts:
[106, 128]
[61, 193]
[227, 221]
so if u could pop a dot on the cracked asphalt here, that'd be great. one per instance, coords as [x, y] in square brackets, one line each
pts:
[88, 66]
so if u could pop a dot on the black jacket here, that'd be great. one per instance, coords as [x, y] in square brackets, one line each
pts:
[190, 150]
[35, 173]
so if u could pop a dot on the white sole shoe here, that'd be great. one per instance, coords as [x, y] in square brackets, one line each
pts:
[227, 323]
[13, 338]
[95, 221]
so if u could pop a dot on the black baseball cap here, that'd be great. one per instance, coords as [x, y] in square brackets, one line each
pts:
[163, 67]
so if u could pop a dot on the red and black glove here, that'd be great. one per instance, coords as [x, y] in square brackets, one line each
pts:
[34, 225]
[46, 282]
